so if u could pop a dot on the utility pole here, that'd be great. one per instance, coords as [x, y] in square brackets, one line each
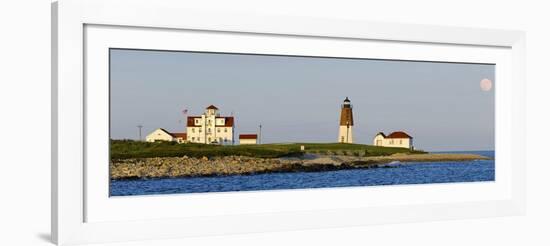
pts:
[233, 130]
[260, 135]
[139, 127]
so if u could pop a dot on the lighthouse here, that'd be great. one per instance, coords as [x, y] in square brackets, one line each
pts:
[345, 131]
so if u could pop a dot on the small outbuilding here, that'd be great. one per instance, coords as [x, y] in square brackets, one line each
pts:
[180, 137]
[248, 139]
[397, 139]
[161, 134]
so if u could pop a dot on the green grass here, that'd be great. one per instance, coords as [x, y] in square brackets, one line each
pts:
[354, 149]
[124, 149]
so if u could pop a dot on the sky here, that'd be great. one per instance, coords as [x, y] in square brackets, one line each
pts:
[298, 99]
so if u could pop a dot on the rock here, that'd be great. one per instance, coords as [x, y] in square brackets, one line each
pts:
[230, 165]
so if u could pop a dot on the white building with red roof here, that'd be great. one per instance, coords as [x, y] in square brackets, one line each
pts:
[161, 134]
[210, 127]
[397, 139]
[248, 139]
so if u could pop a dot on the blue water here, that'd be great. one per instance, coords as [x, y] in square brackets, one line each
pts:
[410, 173]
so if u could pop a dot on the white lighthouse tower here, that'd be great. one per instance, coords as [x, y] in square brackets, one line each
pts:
[345, 131]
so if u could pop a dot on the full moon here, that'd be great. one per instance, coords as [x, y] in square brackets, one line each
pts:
[486, 84]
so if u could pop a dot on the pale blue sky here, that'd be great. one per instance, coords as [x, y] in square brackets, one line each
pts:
[297, 99]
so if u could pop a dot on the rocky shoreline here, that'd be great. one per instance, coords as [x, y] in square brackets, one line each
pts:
[163, 167]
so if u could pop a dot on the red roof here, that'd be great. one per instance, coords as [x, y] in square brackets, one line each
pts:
[191, 120]
[248, 136]
[212, 107]
[398, 135]
[229, 121]
[182, 135]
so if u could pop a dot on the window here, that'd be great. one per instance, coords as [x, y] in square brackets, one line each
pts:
[218, 130]
[225, 130]
[209, 130]
[400, 141]
[193, 130]
[200, 129]
[342, 139]
[196, 122]
[221, 139]
[193, 139]
[199, 139]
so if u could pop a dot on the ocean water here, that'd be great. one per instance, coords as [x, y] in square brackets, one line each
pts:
[410, 173]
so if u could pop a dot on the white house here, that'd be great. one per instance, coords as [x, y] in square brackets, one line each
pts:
[345, 131]
[163, 135]
[248, 139]
[395, 139]
[210, 127]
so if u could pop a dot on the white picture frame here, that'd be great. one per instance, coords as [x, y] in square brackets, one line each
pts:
[82, 213]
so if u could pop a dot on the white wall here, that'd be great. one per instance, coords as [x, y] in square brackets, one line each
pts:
[392, 142]
[218, 132]
[346, 134]
[158, 135]
[25, 105]
[396, 142]
[248, 141]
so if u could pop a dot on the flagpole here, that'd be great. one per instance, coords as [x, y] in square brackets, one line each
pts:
[184, 111]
